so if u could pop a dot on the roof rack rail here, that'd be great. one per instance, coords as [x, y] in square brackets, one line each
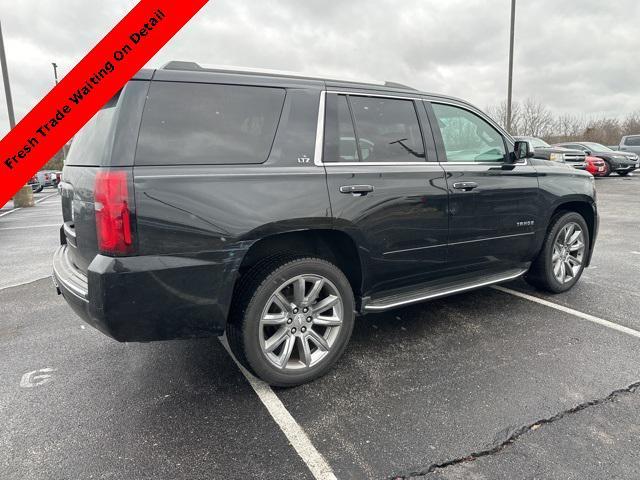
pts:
[398, 85]
[196, 67]
[180, 65]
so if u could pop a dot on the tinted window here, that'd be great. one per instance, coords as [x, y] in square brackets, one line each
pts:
[387, 129]
[537, 142]
[187, 123]
[90, 144]
[632, 141]
[340, 137]
[467, 137]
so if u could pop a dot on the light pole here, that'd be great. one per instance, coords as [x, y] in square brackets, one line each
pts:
[24, 196]
[510, 85]
[5, 78]
[55, 71]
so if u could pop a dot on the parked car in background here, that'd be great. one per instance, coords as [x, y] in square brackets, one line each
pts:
[35, 185]
[56, 176]
[545, 151]
[622, 163]
[238, 203]
[596, 166]
[630, 143]
[46, 178]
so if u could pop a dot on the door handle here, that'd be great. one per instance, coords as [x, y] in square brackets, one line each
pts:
[356, 190]
[466, 186]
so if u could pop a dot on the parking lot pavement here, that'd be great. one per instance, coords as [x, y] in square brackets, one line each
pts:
[597, 442]
[111, 410]
[610, 287]
[36, 196]
[29, 237]
[432, 385]
[450, 379]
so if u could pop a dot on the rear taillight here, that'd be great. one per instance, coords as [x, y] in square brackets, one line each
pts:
[113, 212]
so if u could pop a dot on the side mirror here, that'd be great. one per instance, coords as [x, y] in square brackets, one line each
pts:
[587, 152]
[523, 149]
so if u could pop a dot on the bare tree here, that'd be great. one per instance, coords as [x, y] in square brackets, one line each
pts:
[631, 123]
[607, 131]
[534, 118]
[537, 119]
[566, 128]
[499, 115]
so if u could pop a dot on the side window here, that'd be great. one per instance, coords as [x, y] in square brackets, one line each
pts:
[339, 135]
[632, 141]
[387, 129]
[467, 137]
[200, 124]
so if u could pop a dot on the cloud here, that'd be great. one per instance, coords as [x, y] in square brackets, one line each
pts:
[576, 56]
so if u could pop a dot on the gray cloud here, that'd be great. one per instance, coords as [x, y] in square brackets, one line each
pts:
[577, 56]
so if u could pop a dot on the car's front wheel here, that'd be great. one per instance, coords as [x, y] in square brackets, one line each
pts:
[291, 320]
[562, 259]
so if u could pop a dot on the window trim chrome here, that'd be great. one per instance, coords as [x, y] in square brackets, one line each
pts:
[489, 120]
[318, 159]
[318, 155]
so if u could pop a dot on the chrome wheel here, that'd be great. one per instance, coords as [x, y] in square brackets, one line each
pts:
[301, 322]
[568, 252]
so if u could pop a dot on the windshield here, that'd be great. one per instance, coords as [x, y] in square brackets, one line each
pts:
[537, 143]
[596, 147]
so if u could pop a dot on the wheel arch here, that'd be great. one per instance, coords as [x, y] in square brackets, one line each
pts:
[586, 209]
[333, 245]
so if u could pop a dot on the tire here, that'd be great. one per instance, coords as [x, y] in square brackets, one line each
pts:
[39, 189]
[624, 174]
[545, 273]
[269, 339]
[607, 171]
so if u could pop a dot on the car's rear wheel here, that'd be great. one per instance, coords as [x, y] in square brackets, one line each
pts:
[624, 174]
[291, 320]
[562, 259]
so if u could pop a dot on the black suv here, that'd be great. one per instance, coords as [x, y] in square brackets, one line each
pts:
[276, 208]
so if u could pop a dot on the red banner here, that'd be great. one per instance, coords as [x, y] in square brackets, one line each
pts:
[86, 88]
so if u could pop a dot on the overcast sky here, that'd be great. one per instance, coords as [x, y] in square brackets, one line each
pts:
[577, 56]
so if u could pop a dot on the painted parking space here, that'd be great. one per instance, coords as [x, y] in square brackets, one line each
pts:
[76, 404]
[610, 287]
[454, 377]
[418, 388]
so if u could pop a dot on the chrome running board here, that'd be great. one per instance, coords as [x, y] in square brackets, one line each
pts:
[436, 291]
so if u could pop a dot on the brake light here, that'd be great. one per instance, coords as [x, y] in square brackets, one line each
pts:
[113, 212]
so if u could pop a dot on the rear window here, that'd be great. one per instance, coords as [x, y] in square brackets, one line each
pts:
[198, 124]
[632, 141]
[90, 144]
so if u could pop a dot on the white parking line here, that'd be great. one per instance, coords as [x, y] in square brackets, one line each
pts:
[24, 283]
[571, 311]
[20, 208]
[31, 226]
[314, 460]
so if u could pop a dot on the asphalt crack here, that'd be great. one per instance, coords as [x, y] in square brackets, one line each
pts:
[517, 433]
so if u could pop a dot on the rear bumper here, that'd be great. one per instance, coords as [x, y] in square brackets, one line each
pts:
[149, 298]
